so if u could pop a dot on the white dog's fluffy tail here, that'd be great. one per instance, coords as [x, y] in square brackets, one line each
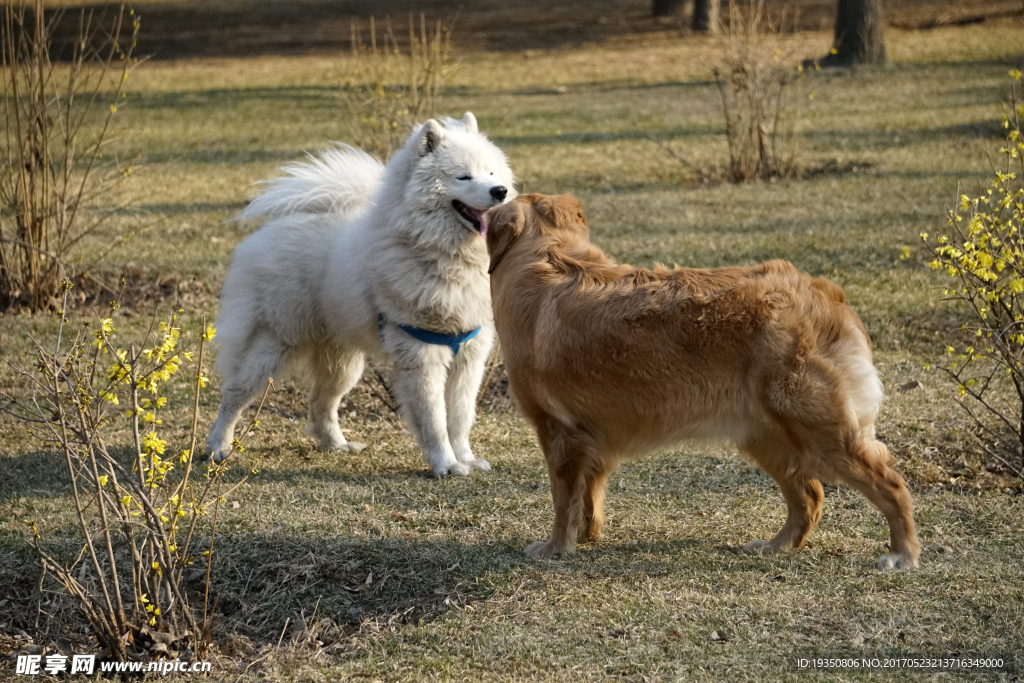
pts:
[339, 180]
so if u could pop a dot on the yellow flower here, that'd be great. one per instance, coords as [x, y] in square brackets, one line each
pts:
[153, 444]
[210, 332]
[103, 480]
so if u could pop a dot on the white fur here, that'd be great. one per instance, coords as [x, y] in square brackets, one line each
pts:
[340, 181]
[351, 239]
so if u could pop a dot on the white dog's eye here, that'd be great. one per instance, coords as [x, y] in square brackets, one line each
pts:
[464, 177]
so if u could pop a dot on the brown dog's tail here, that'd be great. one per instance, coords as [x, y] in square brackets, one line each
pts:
[833, 293]
[845, 343]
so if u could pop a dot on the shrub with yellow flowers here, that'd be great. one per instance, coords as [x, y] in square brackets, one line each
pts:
[983, 255]
[140, 515]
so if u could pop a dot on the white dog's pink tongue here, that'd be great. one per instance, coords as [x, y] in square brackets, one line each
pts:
[482, 217]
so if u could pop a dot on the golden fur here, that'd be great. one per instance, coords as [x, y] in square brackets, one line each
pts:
[608, 361]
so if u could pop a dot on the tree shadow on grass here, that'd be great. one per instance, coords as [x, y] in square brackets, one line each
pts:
[219, 99]
[258, 582]
[224, 156]
[184, 209]
[39, 473]
[262, 580]
[597, 137]
[261, 583]
[343, 580]
[42, 473]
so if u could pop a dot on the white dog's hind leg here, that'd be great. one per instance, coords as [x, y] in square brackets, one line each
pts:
[333, 376]
[464, 377]
[420, 373]
[260, 360]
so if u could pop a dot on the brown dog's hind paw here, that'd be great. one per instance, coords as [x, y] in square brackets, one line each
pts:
[897, 561]
[759, 547]
[540, 549]
[536, 549]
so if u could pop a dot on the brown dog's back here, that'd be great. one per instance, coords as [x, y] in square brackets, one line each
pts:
[683, 352]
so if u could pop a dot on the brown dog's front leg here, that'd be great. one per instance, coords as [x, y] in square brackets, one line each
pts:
[569, 454]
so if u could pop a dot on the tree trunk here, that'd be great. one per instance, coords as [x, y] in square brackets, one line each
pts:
[705, 16]
[668, 8]
[858, 34]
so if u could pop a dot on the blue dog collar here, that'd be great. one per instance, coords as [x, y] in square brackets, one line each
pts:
[452, 341]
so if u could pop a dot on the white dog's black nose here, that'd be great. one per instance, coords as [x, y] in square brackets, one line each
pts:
[499, 192]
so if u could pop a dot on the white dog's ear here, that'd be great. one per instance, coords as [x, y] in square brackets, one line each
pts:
[430, 137]
[469, 122]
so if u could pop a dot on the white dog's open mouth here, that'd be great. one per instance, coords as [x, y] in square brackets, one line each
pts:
[476, 217]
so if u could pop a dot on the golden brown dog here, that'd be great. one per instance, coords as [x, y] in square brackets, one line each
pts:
[609, 361]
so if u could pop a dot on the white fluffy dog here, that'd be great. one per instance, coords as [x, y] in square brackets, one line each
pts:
[361, 259]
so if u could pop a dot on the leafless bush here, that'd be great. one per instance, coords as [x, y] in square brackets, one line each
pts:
[56, 163]
[756, 96]
[140, 508]
[390, 89]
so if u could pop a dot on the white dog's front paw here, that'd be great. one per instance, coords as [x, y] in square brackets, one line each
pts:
[479, 464]
[220, 454]
[897, 561]
[759, 547]
[219, 451]
[352, 447]
[466, 457]
[456, 469]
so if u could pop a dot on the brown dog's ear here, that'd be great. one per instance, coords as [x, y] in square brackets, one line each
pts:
[506, 224]
[562, 210]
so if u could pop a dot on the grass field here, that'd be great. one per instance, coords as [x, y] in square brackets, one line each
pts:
[666, 595]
